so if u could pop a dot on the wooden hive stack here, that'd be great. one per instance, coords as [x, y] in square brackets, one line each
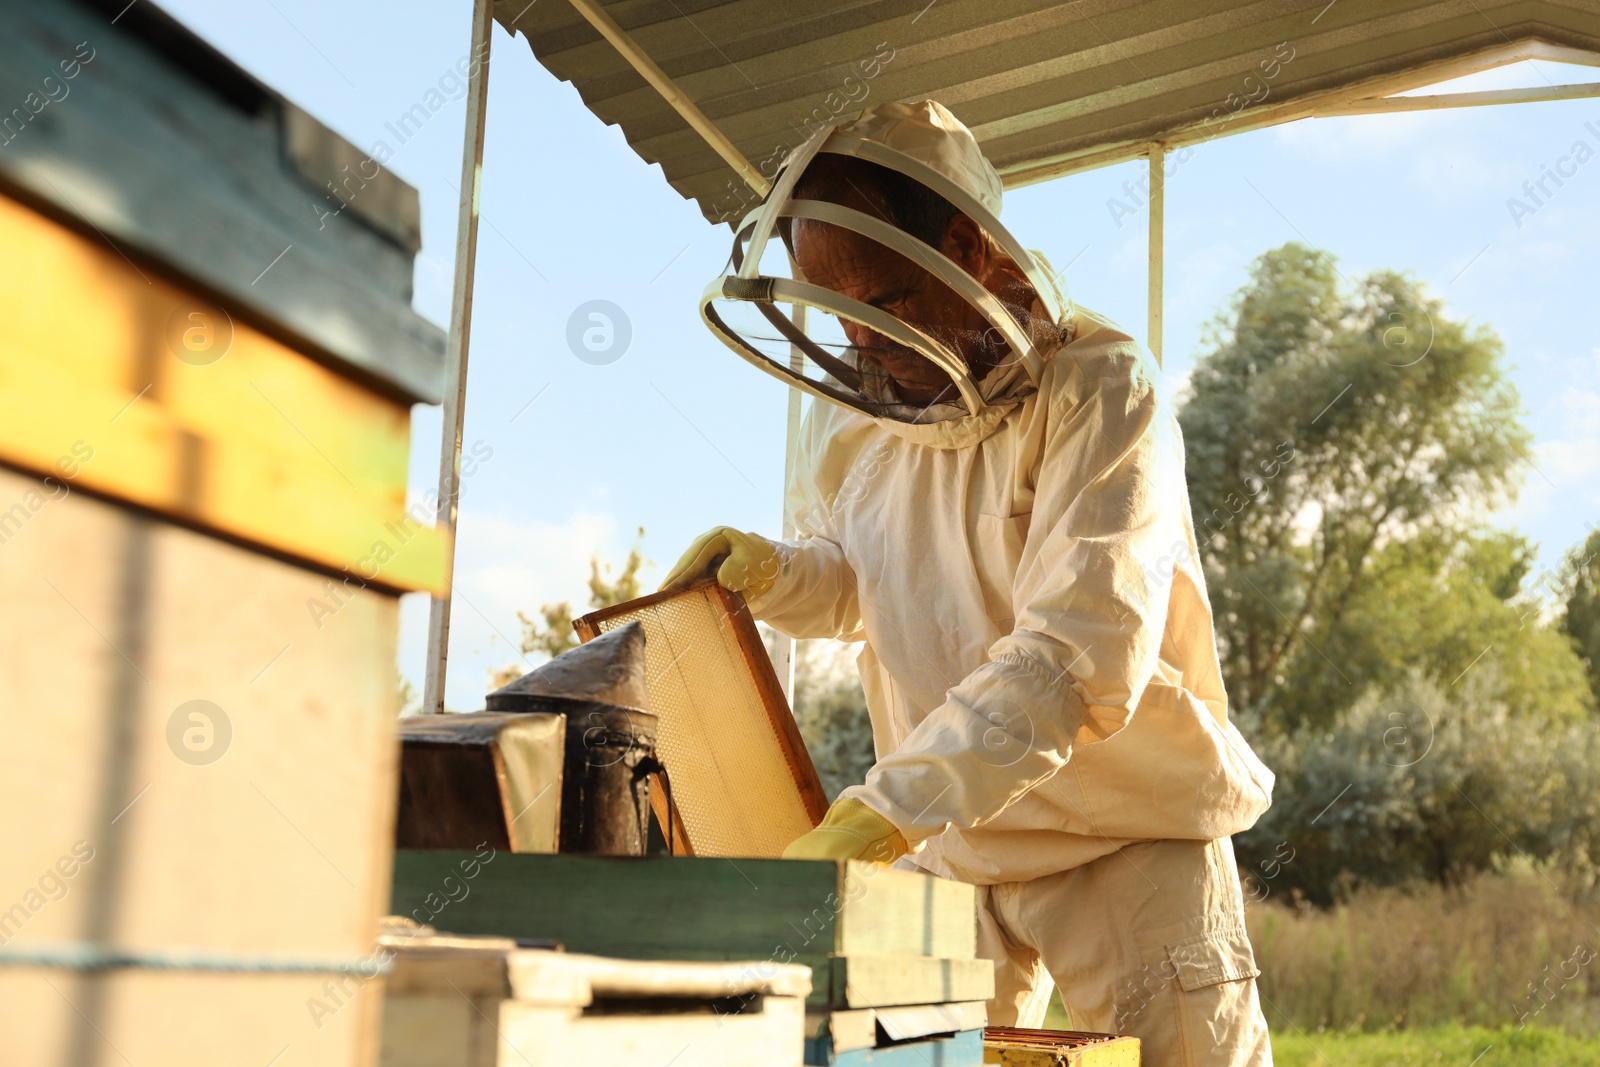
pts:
[893, 954]
[207, 365]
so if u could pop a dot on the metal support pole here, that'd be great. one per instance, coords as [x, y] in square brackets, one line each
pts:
[1158, 196]
[456, 351]
[679, 101]
[791, 452]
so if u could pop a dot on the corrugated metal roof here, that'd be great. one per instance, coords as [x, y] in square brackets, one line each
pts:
[1045, 86]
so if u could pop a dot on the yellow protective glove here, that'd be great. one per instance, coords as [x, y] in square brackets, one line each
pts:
[748, 564]
[850, 831]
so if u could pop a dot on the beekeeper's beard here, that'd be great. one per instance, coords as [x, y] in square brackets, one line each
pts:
[893, 372]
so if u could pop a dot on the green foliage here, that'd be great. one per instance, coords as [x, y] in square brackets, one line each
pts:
[551, 634]
[831, 711]
[1581, 618]
[1429, 782]
[1453, 605]
[410, 699]
[1341, 441]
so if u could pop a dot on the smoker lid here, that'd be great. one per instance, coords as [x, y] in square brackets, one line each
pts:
[606, 670]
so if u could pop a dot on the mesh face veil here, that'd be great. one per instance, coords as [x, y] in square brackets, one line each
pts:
[924, 142]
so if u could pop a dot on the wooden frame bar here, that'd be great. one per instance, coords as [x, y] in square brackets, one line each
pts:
[1388, 104]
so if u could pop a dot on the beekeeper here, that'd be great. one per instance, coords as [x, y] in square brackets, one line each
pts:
[992, 501]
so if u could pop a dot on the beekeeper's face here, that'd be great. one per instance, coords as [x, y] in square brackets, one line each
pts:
[862, 269]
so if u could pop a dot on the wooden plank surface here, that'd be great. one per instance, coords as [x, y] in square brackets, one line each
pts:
[483, 1001]
[579, 980]
[856, 1028]
[964, 1049]
[766, 1036]
[229, 768]
[439, 1030]
[920, 1020]
[131, 386]
[841, 1031]
[887, 981]
[653, 907]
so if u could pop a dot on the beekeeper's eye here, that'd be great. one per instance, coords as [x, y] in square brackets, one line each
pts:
[890, 301]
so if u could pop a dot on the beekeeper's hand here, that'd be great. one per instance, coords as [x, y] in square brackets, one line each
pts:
[850, 831]
[744, 562]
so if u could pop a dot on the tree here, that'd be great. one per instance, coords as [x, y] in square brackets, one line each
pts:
[1450, 603]
[1581, 618]
[551, 633]
[410, 699]
[1344, 442]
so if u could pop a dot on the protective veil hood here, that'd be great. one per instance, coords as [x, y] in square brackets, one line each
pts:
[925, 142]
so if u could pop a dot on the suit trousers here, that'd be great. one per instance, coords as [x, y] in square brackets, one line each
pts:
[1148, 941]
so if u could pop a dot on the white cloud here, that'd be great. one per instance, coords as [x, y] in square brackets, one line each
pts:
[507, 565]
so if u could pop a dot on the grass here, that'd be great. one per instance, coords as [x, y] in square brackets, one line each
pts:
[1422, 976]
[1444, 1046]
[1433, 1046]
[1502, 950]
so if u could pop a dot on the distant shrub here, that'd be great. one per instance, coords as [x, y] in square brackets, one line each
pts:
[1425, 783]
[830, 709]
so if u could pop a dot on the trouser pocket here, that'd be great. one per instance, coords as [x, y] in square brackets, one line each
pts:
[1218, 1010]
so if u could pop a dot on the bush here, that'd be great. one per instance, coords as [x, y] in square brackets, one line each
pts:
[1425, 783]
[831, 711]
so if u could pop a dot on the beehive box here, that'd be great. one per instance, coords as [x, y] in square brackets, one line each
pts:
[1009, 1046]
[873, 936]
[204, 433]
[483, 1002]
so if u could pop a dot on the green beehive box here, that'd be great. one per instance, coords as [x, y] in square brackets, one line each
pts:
[873, 936]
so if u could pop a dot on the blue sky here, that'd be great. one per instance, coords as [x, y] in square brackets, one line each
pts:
[678, 434]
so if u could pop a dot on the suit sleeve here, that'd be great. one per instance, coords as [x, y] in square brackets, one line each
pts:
[1090, 601]
[815, 591]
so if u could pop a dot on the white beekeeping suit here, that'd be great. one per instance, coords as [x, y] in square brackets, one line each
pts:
[1027, 589]
[1038, 655]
